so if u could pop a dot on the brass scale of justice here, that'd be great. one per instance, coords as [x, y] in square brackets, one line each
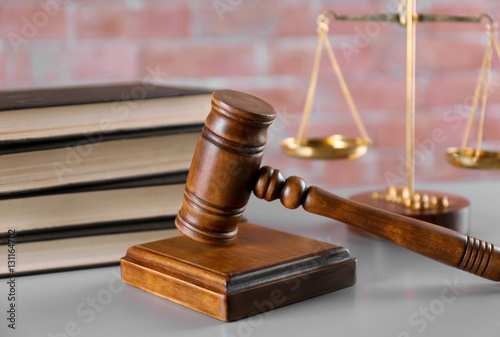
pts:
[446, 210]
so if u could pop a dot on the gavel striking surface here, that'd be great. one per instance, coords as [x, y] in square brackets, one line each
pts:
[262, 270]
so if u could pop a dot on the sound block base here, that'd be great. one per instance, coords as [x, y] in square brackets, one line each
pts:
[456, 216]
[262, 270]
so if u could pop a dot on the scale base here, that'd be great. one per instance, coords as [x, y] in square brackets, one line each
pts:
[262, 270]
[456, 216]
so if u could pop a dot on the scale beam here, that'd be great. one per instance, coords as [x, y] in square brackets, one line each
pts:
[401, 18]
[446, 210]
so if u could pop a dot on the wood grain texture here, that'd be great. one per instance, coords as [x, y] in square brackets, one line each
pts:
[262, 270]
[254, 273]
[441, 244]
[225, 169]
[96, 111]
[228, 154]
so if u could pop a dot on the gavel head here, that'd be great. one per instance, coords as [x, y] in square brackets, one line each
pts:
[225, 162]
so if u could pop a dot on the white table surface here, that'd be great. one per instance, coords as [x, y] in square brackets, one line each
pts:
[398, 293]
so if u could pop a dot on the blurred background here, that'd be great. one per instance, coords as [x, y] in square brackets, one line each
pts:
[266, 48]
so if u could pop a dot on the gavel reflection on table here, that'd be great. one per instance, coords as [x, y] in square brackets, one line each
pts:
[213, 270]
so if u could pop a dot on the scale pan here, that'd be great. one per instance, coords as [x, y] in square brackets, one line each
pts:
[487, 160]
[333, 147]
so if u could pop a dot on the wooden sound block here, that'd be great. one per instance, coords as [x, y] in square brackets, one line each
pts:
[456, 216]
[262, 270]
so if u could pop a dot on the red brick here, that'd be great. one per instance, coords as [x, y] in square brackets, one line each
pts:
[82, 62]
[452, 120]
[32, 22]
[292, 99]
[372, 92]
[491, 129]
[443, 55]
[108, 22]
[111, 61]
[264, 18]
[494, 11]
[328, 96]
[120, 3]
[3, 68]
[21, 66]
[291, 58]
[435, 54]
[346, 173]
[297, 58]
[288, 102]
[390, 133]
[457, 88]
[202, 59]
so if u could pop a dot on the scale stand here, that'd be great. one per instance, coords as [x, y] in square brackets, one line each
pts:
[447, 210]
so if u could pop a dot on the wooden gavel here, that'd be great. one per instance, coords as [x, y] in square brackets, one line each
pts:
[226, 168]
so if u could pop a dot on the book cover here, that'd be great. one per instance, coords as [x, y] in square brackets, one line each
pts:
[76, 214]
[77, 252]
[50, 171]
[55, 114]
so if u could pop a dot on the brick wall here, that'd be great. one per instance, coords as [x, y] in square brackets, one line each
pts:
[266, 48]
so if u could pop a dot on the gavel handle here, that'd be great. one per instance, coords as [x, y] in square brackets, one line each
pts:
[438, 243]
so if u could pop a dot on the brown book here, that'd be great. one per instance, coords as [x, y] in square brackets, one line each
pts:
[39, 115]
[77, 252]
[85, 139]
[81, 251]
[89, 213]
[86, 172]
[50, 171]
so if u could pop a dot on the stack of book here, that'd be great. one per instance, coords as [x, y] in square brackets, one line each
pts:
[86, 172]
